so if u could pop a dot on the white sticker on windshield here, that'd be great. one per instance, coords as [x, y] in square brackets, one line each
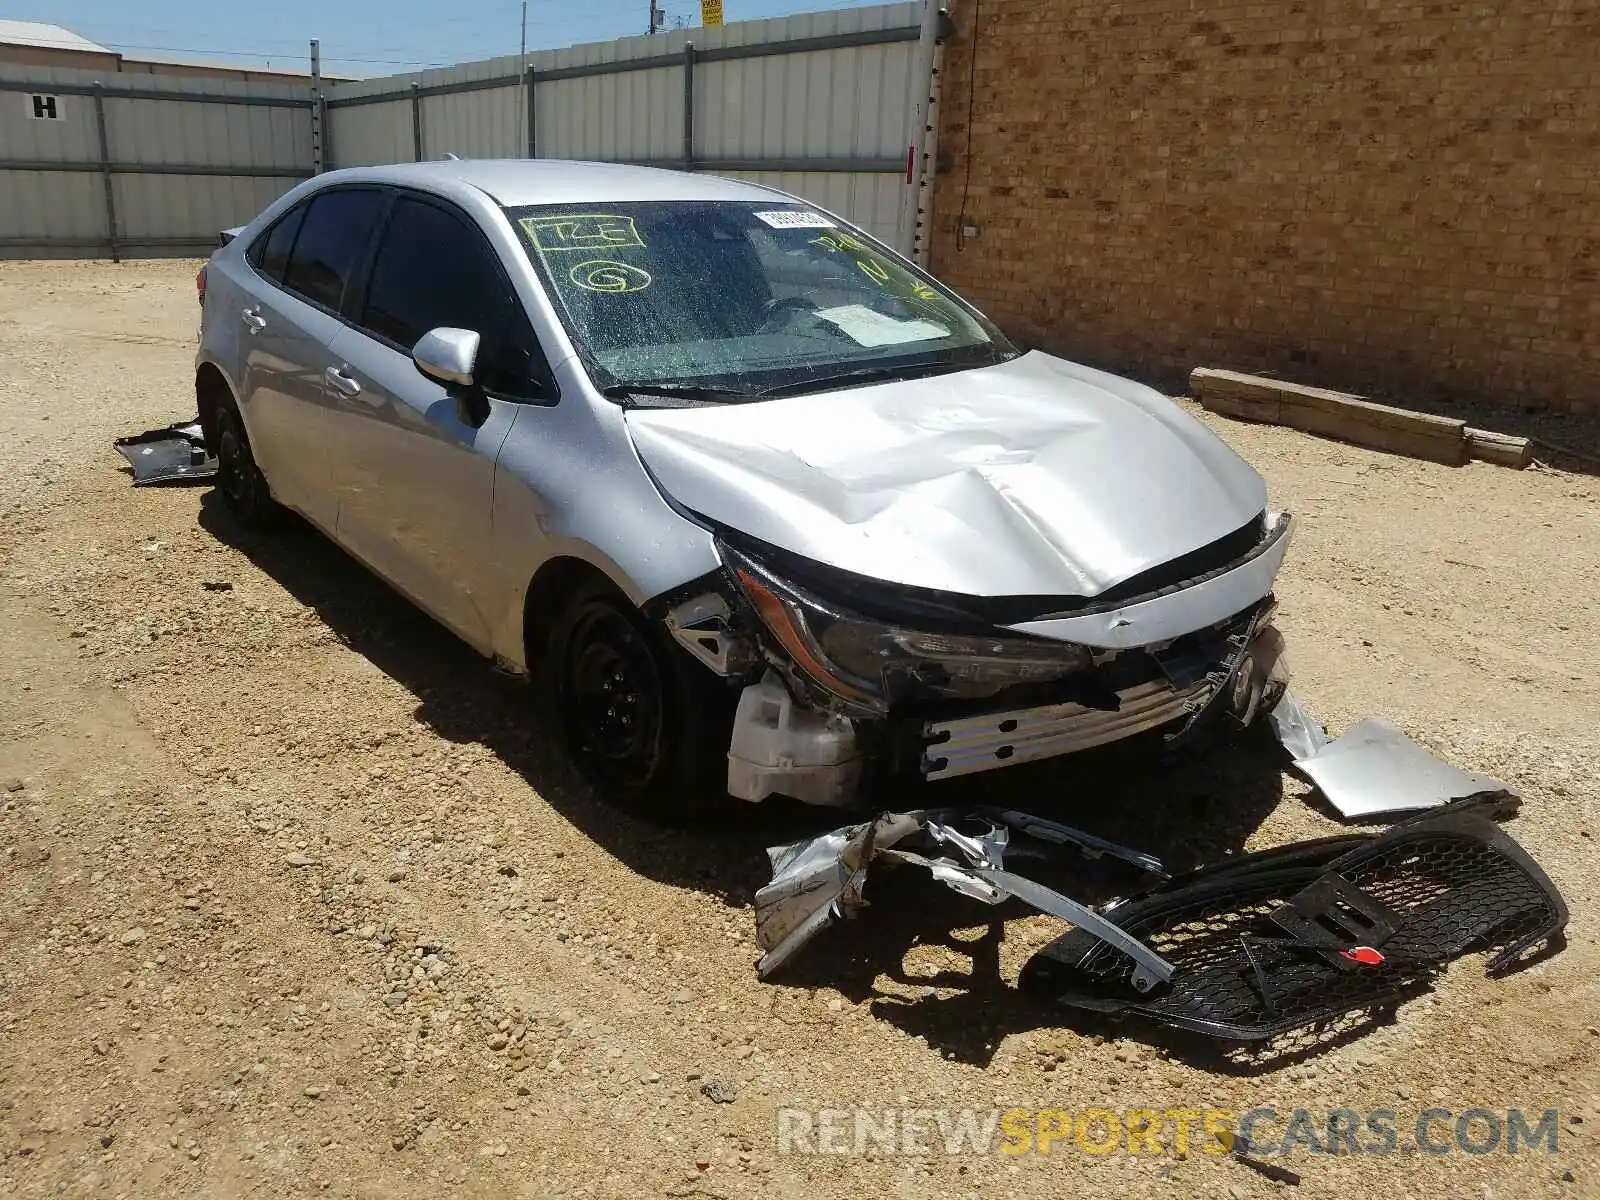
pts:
[787, 219]
[868, 327]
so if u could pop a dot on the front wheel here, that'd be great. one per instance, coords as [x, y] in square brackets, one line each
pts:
[239, 479]
[644, 723]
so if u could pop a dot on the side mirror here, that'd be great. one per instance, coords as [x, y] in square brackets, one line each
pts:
[447, 356]
[450, 357]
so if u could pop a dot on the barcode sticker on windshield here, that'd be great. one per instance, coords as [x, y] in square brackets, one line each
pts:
[787, 219]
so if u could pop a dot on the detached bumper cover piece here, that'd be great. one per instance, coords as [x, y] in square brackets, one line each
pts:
[816, 882]
[1301, 733]
[1305, 934]
[171, 454]
[1373, 768]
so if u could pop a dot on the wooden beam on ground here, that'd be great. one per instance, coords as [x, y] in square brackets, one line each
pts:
[1499, 448]
[1331, 414]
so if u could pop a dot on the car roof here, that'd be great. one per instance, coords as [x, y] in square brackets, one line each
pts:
[518, 181]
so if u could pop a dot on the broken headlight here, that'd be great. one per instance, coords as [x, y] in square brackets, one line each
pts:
[872, 664]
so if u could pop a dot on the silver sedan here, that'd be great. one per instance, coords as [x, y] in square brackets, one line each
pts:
[760, 506]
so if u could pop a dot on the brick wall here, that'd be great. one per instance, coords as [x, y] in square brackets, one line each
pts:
[1389, 196]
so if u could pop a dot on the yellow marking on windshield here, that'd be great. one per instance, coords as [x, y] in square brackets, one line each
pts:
[599, 275]
[838, 241]
[873, 270]
[581, 231]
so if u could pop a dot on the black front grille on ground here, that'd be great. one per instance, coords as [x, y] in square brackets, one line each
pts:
[1449, 884]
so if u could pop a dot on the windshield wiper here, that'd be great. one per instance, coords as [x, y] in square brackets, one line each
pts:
[823, 383]
[684, 394]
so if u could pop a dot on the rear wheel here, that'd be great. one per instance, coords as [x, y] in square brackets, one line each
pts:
[239, 479]
[644, 723]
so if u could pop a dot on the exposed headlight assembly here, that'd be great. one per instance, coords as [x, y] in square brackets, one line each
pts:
[871, 665]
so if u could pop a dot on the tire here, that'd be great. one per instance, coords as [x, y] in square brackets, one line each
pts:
[644, 723]
[239, 479]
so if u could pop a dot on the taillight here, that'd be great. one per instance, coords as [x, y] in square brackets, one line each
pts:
[200, 283]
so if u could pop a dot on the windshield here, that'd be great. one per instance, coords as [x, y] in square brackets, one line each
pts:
[732, 299]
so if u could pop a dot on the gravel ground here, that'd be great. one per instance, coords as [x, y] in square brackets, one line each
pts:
[296, 903]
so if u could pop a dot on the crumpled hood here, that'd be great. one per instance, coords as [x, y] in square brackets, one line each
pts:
[1031, 477]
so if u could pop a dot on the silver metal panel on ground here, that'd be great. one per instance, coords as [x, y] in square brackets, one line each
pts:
[1373, 768]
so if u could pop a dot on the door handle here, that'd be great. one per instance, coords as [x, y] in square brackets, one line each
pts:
[253, 320]
[339, 381]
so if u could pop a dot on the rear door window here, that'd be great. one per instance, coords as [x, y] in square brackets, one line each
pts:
[332, 238]
[435, 268]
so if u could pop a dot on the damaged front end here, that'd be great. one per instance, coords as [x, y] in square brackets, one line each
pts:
[845, 678]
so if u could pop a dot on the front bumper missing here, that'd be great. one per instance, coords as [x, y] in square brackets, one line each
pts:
[983, 743]
[1249, 680]
[780, 747]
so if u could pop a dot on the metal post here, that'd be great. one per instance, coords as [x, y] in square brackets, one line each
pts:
[532, 82]
[922, 227]
[688, 106]
[416, 121]
[920, 122]
[328, 160]
[522, 65]
[105, 170]
[318, 113]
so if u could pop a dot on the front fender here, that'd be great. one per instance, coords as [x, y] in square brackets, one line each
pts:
[568, 484]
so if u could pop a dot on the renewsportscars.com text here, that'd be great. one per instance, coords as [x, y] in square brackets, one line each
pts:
[1260, 1132]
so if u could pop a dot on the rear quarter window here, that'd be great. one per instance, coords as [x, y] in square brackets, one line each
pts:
[269, 254]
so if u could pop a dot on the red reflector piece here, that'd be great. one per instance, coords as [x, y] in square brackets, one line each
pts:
[1365, 955]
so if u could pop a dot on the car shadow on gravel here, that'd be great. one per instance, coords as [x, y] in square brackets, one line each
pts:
[1190, 807]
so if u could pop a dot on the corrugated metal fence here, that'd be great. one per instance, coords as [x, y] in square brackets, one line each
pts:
[825, 105]
[141, 165]
[832, 106]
